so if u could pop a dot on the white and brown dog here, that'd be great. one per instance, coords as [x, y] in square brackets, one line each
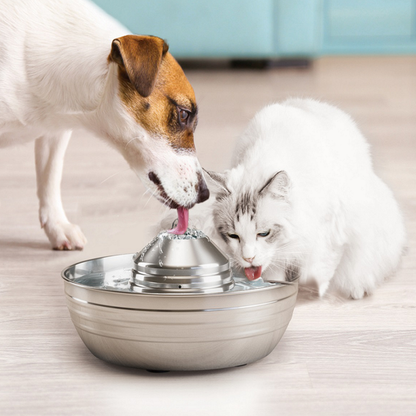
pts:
[67, 65]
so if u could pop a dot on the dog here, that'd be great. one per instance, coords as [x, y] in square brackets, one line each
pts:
[66, 65]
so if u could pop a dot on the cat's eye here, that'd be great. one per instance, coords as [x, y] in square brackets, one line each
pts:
[265, 234]
[235, 236]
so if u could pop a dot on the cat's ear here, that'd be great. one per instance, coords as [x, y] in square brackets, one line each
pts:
[278, 185]
[218, 181]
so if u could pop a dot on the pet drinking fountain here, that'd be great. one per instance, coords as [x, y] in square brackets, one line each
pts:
[176, 305]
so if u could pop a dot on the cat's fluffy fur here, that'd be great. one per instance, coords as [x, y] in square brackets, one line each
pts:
[302, 177]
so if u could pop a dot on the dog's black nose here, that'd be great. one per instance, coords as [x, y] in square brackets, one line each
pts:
[154, 178]
[203, 191]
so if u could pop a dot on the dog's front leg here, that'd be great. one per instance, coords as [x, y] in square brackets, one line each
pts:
[50, 152]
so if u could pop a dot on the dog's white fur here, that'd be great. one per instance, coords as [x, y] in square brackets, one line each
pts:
[55, 77]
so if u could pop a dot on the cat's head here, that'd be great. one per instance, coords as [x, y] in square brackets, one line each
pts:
[253, 217]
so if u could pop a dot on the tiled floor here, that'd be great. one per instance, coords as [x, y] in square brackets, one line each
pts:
[338, 357]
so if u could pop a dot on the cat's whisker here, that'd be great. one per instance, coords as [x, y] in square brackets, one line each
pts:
[280, 267]
[150, 197]
[275, 267]
[279, 262]
[286, 263]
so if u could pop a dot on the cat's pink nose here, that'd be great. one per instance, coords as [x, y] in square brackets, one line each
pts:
[249, 259]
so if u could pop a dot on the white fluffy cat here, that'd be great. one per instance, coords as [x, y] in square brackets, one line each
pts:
[302, 199]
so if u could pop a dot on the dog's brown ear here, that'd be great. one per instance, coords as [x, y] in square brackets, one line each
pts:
[140, 57]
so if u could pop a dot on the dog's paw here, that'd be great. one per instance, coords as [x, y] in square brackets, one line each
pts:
[65, 236]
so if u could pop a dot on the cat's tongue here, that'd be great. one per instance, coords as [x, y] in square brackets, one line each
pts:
[252, 273]
[183, 217]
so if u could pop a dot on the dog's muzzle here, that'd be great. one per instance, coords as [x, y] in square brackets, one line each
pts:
[201, 188]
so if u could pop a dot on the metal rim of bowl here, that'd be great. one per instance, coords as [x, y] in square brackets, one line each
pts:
[165, 295]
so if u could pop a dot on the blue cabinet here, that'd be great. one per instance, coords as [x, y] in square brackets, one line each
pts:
[193, 28]
[369, 26]
[272, 28]
[297, 27]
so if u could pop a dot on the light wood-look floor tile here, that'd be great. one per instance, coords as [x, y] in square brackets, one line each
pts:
[338, 357]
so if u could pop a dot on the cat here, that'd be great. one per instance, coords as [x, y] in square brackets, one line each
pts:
[302, 200]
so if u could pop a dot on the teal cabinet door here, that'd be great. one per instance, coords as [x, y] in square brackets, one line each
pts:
[369, 26]
[200, 28]
[325, 27]
[297, 27]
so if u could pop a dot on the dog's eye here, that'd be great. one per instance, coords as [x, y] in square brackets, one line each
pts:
[183, 116]
[265, 234]
[235, 236]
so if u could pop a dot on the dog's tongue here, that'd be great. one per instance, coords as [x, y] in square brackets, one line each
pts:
[252, 273]
[183, 217]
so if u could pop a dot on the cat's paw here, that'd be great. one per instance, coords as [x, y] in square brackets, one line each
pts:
[322, 288]
[357, 293]
[65, 236]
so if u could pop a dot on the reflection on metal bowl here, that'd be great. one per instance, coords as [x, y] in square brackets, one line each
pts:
[176, 306]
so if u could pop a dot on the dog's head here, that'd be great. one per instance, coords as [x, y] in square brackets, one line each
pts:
[161, 107]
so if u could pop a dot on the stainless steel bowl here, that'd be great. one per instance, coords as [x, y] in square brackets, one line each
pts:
[176, 306]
